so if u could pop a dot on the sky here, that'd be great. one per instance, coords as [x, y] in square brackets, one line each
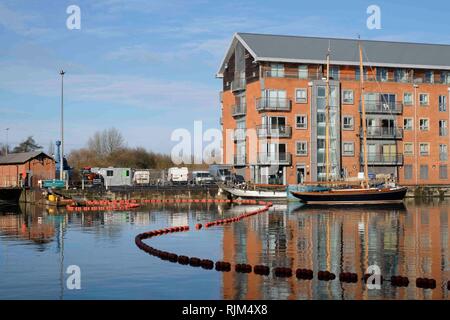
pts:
[148, 67]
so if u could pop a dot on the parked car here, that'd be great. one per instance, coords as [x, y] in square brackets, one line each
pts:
[202, 177]
[178, 175]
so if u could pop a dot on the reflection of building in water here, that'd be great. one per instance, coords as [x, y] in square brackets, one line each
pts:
[28, 226]
[412, 243]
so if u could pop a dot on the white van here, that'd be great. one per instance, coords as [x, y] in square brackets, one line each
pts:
[178, 175]
[202, 177]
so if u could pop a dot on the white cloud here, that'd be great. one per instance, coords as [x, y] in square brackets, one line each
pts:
[19, 23]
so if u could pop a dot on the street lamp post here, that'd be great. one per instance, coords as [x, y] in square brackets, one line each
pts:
[6, 147]
[61, 155]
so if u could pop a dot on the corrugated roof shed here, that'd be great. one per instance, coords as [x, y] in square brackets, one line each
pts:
[23, 157]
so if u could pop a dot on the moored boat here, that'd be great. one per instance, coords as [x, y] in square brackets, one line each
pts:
[236, 192]
[353, 196]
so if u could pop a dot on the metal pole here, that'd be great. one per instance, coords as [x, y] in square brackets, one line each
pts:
[61, 156]
[416, 125]
[6, 149]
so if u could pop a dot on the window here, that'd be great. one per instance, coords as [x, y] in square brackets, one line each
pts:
[303, 71]
[301, 121]
[109, 173]
[408, 149]
[423, 171]
[442, 128]
[408, 124]
[445, 77]
[347, 123]
[401, 75]
[442, 103]
[424, 124]
[408, 171]
[429, 76]
[443, 154]
[382, 74]
[347, 97]
[443, 171]
[407, 98]
[423, 99]
[127, 173]
[424, 149]
[277, 70]
[301, 95]
[334, 72]
[348, 148]
[302, 148]
[358, 73]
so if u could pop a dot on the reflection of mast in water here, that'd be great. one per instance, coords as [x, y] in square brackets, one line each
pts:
[60, 246]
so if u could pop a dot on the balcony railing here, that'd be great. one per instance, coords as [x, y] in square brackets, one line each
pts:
[239, 160]
[383, 107]
[275, 131]
[383, 133]
[239, 110]
[278, 158]
[239, 134]
[273, 104]
[387, 159]
[351, 76]
[238, 84]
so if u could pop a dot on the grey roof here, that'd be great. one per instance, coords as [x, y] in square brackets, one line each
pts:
[265, 47]
[23, 157]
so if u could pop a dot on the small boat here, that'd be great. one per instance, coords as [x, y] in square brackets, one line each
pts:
[237, 193]
[353, 196]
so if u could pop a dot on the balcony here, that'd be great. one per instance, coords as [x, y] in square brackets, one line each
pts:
[239, 160]
[274, 131]
[281, 158]
[378, 107]
[238, 84]
[273, 104]
[239, 134]
[383, 133]
[239, 110]
[380, 159]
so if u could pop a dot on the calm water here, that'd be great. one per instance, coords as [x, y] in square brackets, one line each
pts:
[38, 244]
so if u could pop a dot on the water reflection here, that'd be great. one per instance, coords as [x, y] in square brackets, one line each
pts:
[38, 243]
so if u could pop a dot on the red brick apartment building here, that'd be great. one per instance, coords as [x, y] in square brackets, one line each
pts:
[274, 89]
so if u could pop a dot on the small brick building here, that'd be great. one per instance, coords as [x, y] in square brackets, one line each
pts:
[26, 169]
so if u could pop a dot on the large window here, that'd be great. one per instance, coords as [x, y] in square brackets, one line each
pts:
[443, 128]
[443, 153]
[424, 149]
[408, 171]
[277, 70]
[424, 99]
[408, 149]
[348, 148]
[347, 123]
[382, 74]
[424, 124]
[423, 171]
[334, 72]
[301, 121]
[408, 123]
[401, 75]
[347, 97]
[445, 77]
[303, 71]
[407, 98]
[429, 76]
[301, 95]
[442, 103]
[302, 148]
[443, 171]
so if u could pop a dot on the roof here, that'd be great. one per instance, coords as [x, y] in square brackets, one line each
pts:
[23, 157]
[300, 49]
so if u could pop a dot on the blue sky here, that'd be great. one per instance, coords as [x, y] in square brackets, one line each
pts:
[148, 67]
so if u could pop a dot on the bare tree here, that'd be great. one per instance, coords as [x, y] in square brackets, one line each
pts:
[106, 141]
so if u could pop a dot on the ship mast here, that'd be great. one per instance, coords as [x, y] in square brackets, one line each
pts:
[363, 111]
[327, 119]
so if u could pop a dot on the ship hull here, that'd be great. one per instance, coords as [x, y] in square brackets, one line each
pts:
[255, 194]
[353, 196]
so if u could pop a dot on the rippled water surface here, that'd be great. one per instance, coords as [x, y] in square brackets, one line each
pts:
[38, 244]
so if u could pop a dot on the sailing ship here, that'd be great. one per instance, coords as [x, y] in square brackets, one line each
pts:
[365, 194]
[255, 193]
